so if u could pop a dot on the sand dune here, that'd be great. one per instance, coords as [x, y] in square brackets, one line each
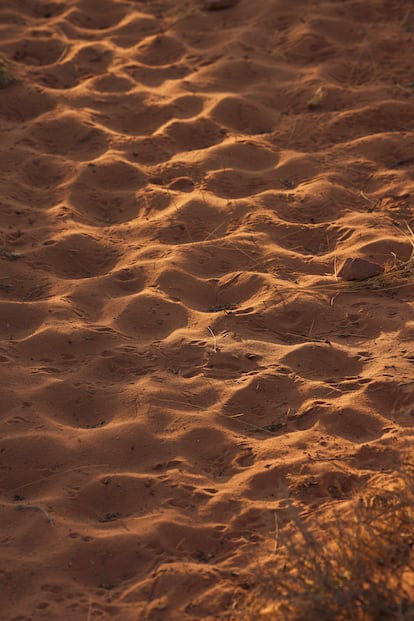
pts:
[179, 188]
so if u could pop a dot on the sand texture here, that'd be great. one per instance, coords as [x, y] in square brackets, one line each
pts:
[180, 186]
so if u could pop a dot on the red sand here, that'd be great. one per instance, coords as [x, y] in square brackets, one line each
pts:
[175, 184]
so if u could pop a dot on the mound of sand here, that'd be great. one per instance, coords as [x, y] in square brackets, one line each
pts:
[179, 188]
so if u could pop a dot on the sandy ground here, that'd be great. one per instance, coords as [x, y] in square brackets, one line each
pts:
[179, 188]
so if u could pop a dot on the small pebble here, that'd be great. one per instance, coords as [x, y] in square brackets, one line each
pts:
[359, 269]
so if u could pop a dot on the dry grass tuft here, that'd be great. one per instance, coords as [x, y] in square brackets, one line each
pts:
[396, 274]
[6, 75]
[358, 569]
[401, 273]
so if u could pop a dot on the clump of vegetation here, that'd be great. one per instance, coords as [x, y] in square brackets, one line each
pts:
[359, 569]
[398, 274]
[6, 74]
